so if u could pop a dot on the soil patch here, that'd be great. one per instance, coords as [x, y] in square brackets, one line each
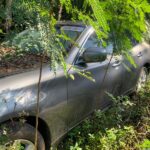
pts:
[17, 63]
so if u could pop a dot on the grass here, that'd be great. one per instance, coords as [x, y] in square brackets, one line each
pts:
[125, 126]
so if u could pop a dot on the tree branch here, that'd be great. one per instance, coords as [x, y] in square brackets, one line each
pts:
[38, 100]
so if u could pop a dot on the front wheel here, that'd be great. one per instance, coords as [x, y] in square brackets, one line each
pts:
[22, 135]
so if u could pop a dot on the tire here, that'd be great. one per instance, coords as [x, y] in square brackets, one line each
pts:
[142, 79]
[24, 133]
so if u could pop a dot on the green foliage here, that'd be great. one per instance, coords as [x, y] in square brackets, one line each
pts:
[123, 20]
[145, 144]
[16, 146]
[120, 19]
[126, 21]
[124, 126]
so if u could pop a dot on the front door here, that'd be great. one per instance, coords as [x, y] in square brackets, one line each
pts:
[84, 95]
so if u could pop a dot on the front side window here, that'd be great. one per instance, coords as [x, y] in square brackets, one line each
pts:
[94, 42]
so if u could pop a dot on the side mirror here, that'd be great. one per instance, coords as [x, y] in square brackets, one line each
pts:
[94, 55]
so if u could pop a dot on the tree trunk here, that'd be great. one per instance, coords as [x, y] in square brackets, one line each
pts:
[60, 12]
[8, 7]
[52, 4]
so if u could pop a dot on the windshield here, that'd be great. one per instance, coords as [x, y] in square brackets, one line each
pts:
[29, 39]
[72, 34]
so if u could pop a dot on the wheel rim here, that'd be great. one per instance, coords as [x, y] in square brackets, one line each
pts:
[24, 144]
[142, 79]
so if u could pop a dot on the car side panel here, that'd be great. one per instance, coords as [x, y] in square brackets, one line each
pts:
[20, 97]
[141, 56]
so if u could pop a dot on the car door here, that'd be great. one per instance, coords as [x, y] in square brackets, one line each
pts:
[133, 68]
[84, 95]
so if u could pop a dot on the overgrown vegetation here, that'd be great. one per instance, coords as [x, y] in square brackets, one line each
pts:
[120, 19]
[122, 22]
[124, 126]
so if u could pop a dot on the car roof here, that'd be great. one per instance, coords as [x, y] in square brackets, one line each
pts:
[71, 23]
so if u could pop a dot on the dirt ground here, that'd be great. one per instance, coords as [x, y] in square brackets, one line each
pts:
[14, 63]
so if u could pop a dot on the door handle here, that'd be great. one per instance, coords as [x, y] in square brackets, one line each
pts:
[140, 54]
[116, 63]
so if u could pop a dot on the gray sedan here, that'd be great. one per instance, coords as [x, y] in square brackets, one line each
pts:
[64, 102]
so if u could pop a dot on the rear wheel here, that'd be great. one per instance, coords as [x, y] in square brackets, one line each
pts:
[23, 135]
[142, 79]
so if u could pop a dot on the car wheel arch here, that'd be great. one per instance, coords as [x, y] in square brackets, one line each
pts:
[42, 128]
[147, 66]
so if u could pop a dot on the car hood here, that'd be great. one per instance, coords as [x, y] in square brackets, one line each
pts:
[20, 90]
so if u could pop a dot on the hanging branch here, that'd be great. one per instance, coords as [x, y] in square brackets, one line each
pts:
[42, 57]
[38, 100]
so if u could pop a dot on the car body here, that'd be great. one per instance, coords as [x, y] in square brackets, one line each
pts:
[64, 102]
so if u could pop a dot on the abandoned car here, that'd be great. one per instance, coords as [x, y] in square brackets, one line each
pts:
[64, 102]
